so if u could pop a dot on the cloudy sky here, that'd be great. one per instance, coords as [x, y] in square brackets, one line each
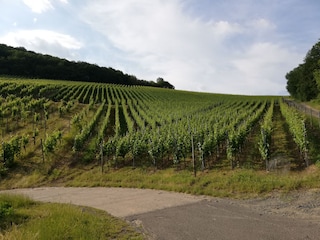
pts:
[220, 46]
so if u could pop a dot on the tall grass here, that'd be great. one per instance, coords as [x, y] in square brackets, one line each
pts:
[240, 183]
[31, 220]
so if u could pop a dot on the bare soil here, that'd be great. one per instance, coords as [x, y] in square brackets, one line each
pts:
[304, 204]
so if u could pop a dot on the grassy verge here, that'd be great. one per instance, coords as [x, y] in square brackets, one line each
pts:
[241, 183]
[22, 218]
[314, 104]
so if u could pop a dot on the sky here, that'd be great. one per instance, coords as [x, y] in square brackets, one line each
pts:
[219, 46]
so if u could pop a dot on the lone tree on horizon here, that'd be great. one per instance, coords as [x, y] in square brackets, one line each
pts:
[164, 84]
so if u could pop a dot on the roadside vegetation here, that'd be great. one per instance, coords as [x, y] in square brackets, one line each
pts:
[22, 218]
[239, 183]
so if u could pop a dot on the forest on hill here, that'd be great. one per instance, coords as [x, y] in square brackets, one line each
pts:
[23, 63]
[303, 82]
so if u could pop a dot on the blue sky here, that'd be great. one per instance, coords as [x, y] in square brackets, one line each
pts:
[220, 46]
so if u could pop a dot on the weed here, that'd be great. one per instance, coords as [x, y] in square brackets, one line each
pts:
[22, 218]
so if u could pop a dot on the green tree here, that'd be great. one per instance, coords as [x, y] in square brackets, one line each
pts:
[301, 81]
[294, 78]
[316, 75]
[164, 84]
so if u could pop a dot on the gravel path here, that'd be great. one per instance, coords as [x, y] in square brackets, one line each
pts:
[119, 202]
[168, 215]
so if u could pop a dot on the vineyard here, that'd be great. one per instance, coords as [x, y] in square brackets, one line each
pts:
[114, 126]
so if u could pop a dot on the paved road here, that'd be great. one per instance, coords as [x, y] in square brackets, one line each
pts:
[220, 220]
[167, 215]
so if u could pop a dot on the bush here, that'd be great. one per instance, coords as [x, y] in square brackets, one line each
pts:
[317, 164]
[6, 210]
[3, 171]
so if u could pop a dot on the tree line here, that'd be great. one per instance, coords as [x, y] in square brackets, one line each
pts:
[303, 82]
[23, 63]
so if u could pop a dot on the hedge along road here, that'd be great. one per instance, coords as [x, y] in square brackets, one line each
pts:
[168, 215]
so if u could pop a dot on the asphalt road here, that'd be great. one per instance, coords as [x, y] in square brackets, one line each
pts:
[167, 215]
[219, 220]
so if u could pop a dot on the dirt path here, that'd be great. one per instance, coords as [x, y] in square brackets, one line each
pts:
[283, 148]
[120, 202]
[168, 215]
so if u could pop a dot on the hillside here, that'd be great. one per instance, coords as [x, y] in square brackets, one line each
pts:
[111, 135]
[23, 63]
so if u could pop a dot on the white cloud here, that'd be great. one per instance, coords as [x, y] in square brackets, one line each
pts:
[262, 24]
[160, 37]
[263, 67]
[41, 6]
[44, 41]
[38, 6]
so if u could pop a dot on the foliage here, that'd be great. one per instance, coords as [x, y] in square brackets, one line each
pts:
[317, 76]
[9, 210]
[81, 137]
[11, 149]
[21, 218]
[302, 80]
[51, 141]
[5, 210]
[297, 127]
[266, 132]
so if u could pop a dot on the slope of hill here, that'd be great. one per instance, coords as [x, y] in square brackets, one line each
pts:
[154, 125]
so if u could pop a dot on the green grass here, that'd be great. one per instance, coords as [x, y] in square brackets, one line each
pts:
[314, 104]
[240, 183]
[26, 219]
